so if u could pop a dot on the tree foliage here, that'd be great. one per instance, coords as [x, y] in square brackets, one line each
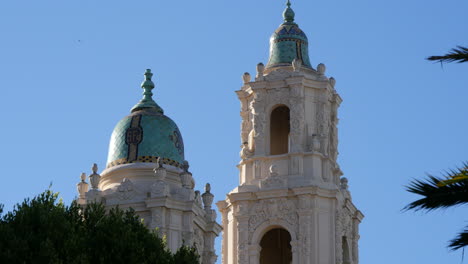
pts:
[458, 54]
[452, 189]
[442, 192]
[44, 230]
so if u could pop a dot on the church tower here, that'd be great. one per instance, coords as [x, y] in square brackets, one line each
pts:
[146, 170]
[291, 205]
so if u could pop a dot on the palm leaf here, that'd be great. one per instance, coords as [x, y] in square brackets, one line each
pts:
[435, 196]
[455, 176]
[460, 241]
[458, 54]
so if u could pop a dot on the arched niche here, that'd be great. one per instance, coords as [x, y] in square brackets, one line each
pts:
[279, 130]
[276, 247]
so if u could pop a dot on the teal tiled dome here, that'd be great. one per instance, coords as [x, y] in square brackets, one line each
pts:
[146, 134]
[288, 42]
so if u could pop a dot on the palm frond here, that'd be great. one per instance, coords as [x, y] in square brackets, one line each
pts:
[455, 176]
[435, 196]
[458, 54]
[460, 241]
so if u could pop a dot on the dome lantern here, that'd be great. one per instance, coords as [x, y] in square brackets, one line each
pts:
[288, 42]
[146, 135]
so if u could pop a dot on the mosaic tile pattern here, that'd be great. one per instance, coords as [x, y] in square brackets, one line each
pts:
[144, 136]
[287, 43]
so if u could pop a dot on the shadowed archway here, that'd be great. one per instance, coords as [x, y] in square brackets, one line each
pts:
[276, 247]
[279, 130]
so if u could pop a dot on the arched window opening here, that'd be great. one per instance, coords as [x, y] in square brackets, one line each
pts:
[276, 247]
[279, 131]
[346, 258]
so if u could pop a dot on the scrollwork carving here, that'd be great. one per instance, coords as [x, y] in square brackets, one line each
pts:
[159, 189]
[273, 182]
[297, 119]
[264, 210]
[126, 191]
[156, 219]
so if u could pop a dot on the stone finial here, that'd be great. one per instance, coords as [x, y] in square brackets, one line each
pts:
[82, 187]
[332, 82]
[207, 187]
[186, 177]
[260, 69]
[207, 197]
[246, 77]
[321, 69]
[185, 166]
[83, 177]
[296, 64]
[344, 183]
[198, 199]
[94, 178]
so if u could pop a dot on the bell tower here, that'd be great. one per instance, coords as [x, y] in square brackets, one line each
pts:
[291, 205]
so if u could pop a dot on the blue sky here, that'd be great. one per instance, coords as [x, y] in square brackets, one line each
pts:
[69, 70]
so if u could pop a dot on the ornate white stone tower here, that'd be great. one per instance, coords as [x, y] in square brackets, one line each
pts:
[291, 206]
[146, 171]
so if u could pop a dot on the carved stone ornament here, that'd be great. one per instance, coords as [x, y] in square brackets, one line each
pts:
[321, 69]
[82, 187]
[198, 239]
[296, 64]
[297, 123]
[273, 182]
[198, 199]
[187, 238]
[159, 189]
[332, 82]
[260, 69]
[94, 178]
[207, 197]
[245, 152]
[316, 142]
[344, 183]
[272, 209]
[246, 77]
[246, 126]
[258, 110]
[125, 191]
[345, 227]
[277, 75]
[279, 96]
[273, 170]
[156, 218]
[186, 179]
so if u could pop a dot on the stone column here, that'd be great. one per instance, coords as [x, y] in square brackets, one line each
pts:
[295, 245]
[243, 239]
[254, 254]
[304, 236]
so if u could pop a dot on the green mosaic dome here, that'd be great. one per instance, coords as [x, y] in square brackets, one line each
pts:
[288, 42]
[146, 134]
